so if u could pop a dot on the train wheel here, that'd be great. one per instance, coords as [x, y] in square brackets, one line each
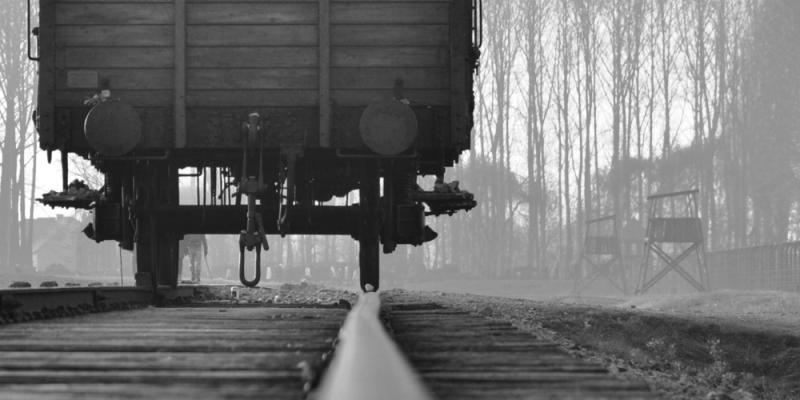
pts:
[145, 272]
[167, 266]
[156, 244]
[156, 256]
[368, 237]
[369, 263]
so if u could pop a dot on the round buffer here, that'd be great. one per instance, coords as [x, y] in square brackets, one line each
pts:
[113, 128]
[388, 127]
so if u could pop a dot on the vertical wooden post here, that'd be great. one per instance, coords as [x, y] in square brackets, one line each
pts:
[325, 73]
[47, 73]
[459, 135]
[180, 73]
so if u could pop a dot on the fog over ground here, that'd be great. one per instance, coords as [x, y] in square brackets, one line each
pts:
[584, 109]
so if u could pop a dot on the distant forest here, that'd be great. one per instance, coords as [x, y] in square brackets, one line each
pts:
[584, 108]
[18, 147]
[587, 107]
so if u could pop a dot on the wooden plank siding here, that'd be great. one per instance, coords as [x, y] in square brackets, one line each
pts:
[100, 13]
[255, 53]
[273, 46]
[179, 72]
[376, 43]
[130, 43]
[324, 73]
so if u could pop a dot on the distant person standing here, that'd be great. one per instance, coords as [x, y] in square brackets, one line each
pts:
[192, 245]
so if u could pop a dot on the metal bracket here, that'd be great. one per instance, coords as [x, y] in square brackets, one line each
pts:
[343, 154]
[291, 154]
[34, 31]
[252, 241]
[477, 21]
[254, 237]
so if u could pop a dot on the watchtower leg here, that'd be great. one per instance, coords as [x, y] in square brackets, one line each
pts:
[643, 270]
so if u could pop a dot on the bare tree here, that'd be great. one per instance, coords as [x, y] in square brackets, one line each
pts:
[532, 34]
[17, 87]
[773, 117]
[560, 88]
[587, 14]
[500, 18]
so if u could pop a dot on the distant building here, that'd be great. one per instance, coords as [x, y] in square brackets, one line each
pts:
[60, 247]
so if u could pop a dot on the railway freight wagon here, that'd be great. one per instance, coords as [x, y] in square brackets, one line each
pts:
[274, 107]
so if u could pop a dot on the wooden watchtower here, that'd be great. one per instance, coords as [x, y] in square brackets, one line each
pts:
[602, 253]
[673, 223]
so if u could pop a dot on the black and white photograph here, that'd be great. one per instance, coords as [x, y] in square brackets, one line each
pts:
[400, 199]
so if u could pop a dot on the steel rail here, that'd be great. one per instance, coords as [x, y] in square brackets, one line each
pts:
[367, 364]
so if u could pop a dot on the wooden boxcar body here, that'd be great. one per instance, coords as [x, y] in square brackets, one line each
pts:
[199, 73]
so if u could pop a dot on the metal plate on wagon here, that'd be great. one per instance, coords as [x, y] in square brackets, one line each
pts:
[82, 79]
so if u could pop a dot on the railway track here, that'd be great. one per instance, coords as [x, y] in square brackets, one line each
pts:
[215, 350]
[207, 351]
[465, 356]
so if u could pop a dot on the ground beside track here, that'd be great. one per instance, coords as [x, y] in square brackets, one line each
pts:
[463, 355]
[742, 345]
[277, 294]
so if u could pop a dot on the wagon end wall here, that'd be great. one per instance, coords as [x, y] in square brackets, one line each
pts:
[194, 69]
